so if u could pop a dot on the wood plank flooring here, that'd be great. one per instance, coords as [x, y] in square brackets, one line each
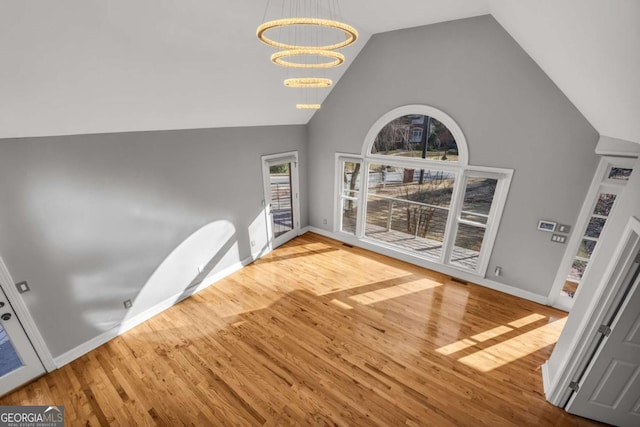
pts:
[319, 333]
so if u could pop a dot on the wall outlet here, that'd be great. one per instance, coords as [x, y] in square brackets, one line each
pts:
[324, 221]
[498, 271]
[23, 287]
[253, 243]
[127, 304]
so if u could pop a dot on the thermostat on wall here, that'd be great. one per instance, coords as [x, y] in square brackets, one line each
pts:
[544, 225]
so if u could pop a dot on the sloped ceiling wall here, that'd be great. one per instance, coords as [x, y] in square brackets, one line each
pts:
[590, 49]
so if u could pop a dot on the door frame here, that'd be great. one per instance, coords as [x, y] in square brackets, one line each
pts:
[578, 403]
[602, 305]
[598, 181]
[267, 160]
[26, 320]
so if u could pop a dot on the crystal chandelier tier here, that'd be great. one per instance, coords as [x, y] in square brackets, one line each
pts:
[307, 34]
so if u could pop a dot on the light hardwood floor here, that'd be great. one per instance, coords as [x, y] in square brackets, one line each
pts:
[319, 333]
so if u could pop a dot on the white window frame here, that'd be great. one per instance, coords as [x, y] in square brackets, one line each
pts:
[340, 159]
[503, 177]
[600, 183]
[460, 169]
[441, 116]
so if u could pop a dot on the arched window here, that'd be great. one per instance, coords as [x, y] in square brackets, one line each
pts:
[416, 135]
[412, 191]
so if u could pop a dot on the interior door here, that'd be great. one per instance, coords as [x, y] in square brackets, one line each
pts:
[609, 391]
[280, 174]
[19, 362]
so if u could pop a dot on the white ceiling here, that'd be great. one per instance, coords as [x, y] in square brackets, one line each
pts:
[92, 66]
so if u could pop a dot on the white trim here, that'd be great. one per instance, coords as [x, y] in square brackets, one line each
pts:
[495, 217]
[599, 305]
[503, 178]
[599, 179]
[140, 318]
[86, 347]
[273, 159]
[361, 223]
[451, 227]
[441, 116]
[608, 146]
[460, 169]
[23, 314]
[337, 186]
[545, 378]
[445, 269]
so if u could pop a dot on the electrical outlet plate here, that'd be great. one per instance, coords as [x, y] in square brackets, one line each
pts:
[23, 287]
[127, 304]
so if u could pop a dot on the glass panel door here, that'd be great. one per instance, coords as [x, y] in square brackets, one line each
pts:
[19, 362]
[281, 197]
[9, 359]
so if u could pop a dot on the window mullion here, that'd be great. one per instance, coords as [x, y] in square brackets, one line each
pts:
[454, 211]
[362, 204]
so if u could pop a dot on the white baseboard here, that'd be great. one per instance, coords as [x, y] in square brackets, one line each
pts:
[545, 378]
[86, 347]
[129, 323]
[507, 289]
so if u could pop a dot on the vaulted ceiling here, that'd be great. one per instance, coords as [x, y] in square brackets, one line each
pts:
[92, 66]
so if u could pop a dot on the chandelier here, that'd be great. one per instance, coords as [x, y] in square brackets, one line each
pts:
[308, 34]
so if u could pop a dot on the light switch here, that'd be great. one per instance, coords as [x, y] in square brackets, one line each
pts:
[558, 238]
[563, 228]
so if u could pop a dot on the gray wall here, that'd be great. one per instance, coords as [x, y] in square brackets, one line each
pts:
[87, 220]
[512, 115]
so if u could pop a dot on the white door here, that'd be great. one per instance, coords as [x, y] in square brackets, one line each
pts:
[282, 202]
[19, 362]
[609, 391]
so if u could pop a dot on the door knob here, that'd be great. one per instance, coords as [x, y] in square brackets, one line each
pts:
[6, 316]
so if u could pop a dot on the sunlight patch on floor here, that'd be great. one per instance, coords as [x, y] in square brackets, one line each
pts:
[341, 304]
[527, 320]
[515, 348]
[489, 334]
[395, 291]
[456, 346]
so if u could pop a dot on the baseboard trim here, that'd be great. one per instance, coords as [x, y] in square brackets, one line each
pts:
[545, 379]
[127, 324]
[497, 286]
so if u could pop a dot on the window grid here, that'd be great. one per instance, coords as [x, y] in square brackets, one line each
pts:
[414, 197]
